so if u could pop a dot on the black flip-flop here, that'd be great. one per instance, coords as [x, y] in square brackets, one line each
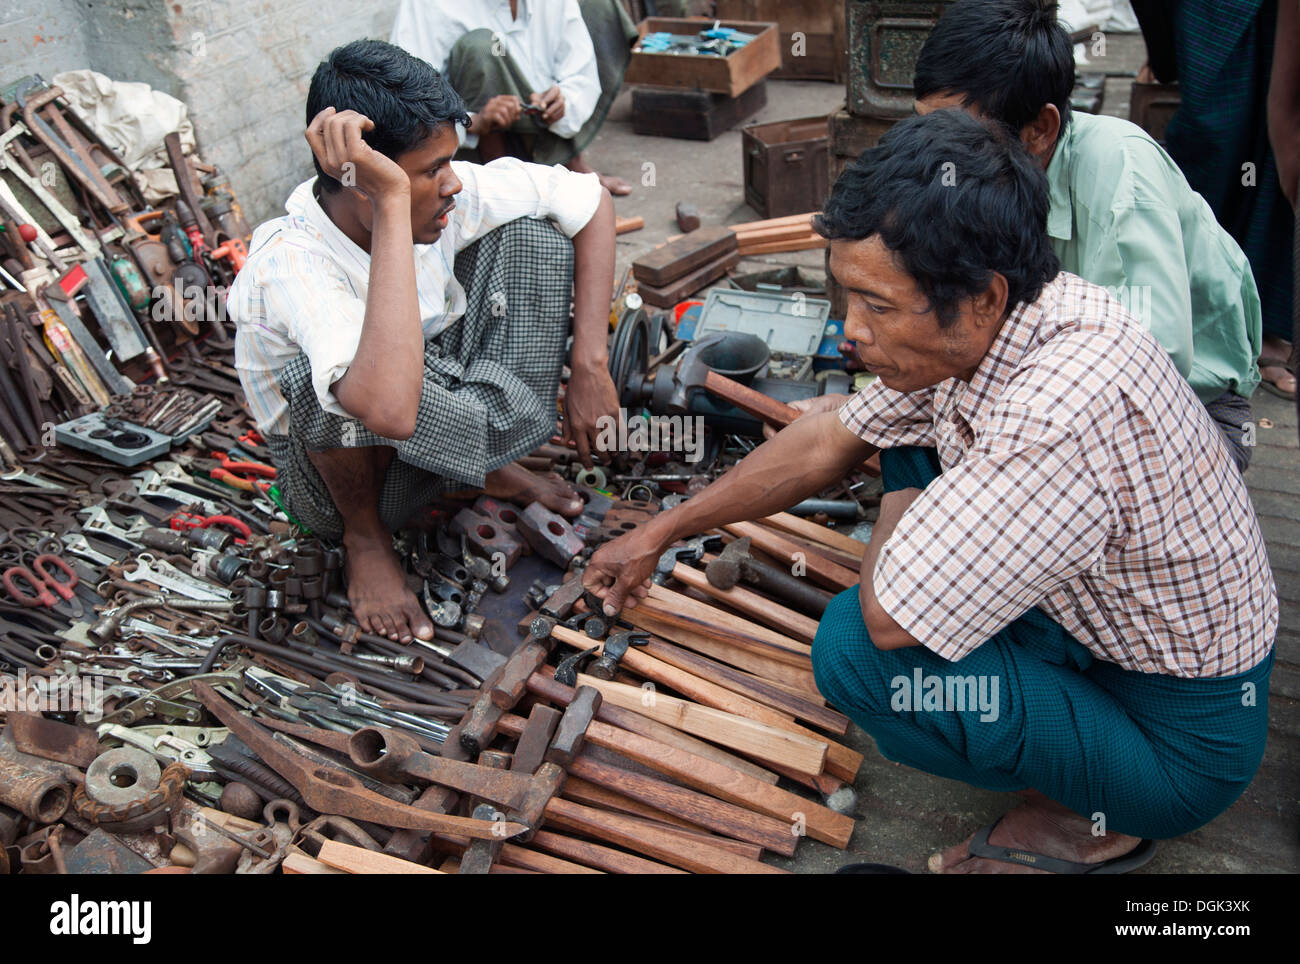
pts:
[1135, 858]
[1270, 387]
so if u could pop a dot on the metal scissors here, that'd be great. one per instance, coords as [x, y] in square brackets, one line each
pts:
[46, 590]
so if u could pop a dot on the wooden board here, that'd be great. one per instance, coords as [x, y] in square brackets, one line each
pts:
[760, 740]
[358, 860]
[683, 288]
[821, 570]
[676, 259]
[522, 857]
[818, 533]
[690, 855]
[718, 645]
[780, 618]
[745, 631]
[300, 863]
[594, 855]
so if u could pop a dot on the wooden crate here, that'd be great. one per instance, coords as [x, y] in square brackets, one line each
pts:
[696, 115]
[785, 166]
[814, 44]
[884, 38]
[1152, 105]
[731, 75]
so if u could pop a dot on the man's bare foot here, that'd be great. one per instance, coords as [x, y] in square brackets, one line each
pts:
[615, 185]
[1272, 367]
[515, 483]
[381, 601]
[1039, 826]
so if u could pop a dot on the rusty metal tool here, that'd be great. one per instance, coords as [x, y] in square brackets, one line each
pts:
[329, 790]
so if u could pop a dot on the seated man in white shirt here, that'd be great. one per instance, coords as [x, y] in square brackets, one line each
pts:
[538, 77]
[401, 332]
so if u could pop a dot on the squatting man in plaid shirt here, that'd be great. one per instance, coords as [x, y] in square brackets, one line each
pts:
[1063, 523]
[402, 329]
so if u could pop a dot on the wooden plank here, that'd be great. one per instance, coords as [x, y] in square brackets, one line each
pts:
[760, 740]
[676, 259]
[594, 855]
[718, 644]
[300, 863]
[823, 571]
[812, 712]
[806, 243]
[746, 226]
[700, 809]
[818, 533]
[669, 294]
[779, 617]
[603, 798]
[821, 822]
[517, 856]
[740, 848]
[358, 860]
[745, 631]
[671, 848]
[547, 688]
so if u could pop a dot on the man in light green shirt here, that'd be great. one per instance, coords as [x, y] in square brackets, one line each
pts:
[1122, 215]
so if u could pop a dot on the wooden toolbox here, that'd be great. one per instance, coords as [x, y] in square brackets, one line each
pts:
[785, 166]
[731, 75]
[695, 115]
[814, 44]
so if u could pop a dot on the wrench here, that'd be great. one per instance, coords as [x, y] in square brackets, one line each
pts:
[74, 543]
[167, 576]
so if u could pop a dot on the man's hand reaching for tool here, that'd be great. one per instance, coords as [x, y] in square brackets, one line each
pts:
[551, 101]
[619, 571]
[335, 139]
[589, 399]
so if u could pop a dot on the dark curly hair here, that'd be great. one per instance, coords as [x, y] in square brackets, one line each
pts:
[1007, 57]
[406, 98]
[954, 200]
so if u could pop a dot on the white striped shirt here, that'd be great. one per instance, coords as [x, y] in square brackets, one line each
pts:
[303, 288]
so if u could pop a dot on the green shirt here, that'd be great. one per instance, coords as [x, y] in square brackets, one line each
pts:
[1123, 216]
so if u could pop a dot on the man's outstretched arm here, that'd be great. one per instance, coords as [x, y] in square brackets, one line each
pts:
[805, 457]
[591, 393]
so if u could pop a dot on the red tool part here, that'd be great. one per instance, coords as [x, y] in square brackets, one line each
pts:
[42, 584]
[187, 520]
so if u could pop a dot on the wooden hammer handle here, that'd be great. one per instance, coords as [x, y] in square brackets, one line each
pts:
[747, 400]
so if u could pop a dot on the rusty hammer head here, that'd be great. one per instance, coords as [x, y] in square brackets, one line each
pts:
[725, 571]
[673, 394]
[692, 550]
[613, 651]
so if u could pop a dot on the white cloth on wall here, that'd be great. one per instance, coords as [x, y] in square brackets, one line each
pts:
[548, 40]
[133, 119]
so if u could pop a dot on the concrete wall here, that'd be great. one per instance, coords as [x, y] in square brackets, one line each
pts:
[40, 37]
[242, 66]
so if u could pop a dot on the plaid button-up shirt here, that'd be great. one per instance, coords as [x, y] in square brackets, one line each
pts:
[1080, 475]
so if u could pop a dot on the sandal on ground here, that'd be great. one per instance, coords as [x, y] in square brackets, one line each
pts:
[1135, 858]
[1270, 387]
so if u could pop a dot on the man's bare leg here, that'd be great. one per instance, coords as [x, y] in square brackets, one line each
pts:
[515, 483]
[614, 185]
[1040, 826]
[381, 601]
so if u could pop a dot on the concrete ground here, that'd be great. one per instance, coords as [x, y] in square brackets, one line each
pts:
[906, 815]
